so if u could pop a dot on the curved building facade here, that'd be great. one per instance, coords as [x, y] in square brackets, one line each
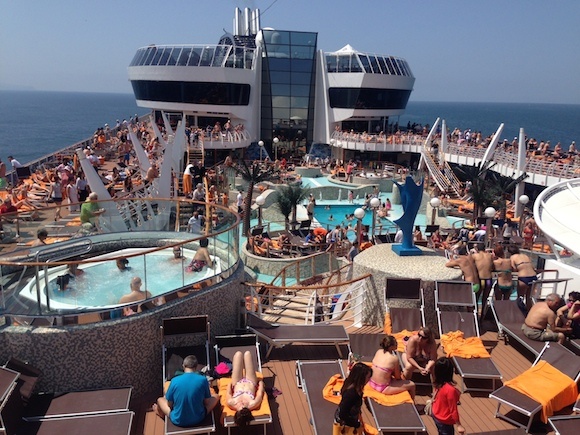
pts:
[277, 84]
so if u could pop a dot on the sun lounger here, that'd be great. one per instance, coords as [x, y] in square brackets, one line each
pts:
[101, 401]
[225, 348]
[282, 335]
[398, 418]
[8, 380]
[524, 407]
[313, 376]
[576, 407]
[565, 424]
[27, 379]
[474, 372]
[509, 319]
[112, 424]
[186, 333]
[181, 336]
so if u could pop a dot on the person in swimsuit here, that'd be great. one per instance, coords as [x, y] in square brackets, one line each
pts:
[540, 323]
[245, 392]
[503, 268]
[467, 265]
[201, 257]
[484, 265]
[522, 264]
[386, 377]
[420, 353]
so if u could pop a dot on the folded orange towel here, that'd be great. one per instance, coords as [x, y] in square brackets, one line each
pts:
[455, 345]
[223, 384]
[547, 385]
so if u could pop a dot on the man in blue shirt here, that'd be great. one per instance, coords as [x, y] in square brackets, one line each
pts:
[188, 399]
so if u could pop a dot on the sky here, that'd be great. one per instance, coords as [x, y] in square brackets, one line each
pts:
[518, 51]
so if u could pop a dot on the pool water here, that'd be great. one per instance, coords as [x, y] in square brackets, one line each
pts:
[102, 284]
[332, 215]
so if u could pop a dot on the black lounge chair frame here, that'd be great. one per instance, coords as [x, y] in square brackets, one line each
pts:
[282, 335]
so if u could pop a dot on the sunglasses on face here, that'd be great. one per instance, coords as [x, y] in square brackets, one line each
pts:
[423, 337]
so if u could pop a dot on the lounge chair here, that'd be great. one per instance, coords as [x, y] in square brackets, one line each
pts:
[565, 424]
[576, 407]
[282, 335]
[524, 406]
[225, 348]
[509, 319]
[402, 418]
[186, 332]
[405, 319]
[71, 404]
[8, 379]
[312, 377]
[473, 371]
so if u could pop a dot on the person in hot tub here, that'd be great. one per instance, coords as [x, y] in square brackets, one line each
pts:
[201, 258]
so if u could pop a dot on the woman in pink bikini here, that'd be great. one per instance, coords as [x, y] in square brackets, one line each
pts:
[246, 392]
[386, 376]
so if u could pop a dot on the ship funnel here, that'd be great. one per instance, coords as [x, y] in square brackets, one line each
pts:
[238, 22]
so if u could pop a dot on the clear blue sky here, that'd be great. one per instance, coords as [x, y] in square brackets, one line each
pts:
[459, 50]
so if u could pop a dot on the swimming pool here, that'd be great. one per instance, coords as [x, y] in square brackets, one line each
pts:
[102, 284]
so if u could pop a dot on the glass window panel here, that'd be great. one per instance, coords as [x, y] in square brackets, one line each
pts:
[344, 63]
[281, 89]
[137, 58]
[279, 64]
[184, 56]
[401, 68]
[374, 64]
[220, 54]
[165, 56]
[279, 113]
[302, 52]
[303, 38]
[280, 101]
[278, 50]
[152, 51]
[302, 65]
[301, 114]
[355, 64]
[157, 56]
[383, 65]
[390, 66]
[300, 91]
[395, 66]
[408, 68]
[331, 63]
[174, 56]
[299, 102]
[298, 78]
[276, 37]
[365, 63]
[280, 76]
[206, 56]
[195, 56]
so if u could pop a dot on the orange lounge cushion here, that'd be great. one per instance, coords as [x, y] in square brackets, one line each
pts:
[455, 345]
[547, 385]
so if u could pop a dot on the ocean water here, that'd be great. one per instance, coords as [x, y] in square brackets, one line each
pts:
[34, 123]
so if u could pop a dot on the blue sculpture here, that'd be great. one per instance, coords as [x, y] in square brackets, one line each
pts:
[411, 196]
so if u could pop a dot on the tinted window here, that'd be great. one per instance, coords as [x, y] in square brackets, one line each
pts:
[193, 92]
[368, 98]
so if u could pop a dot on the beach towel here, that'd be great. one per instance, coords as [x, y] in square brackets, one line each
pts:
[455, 345]
[223, 384]
[547, 385]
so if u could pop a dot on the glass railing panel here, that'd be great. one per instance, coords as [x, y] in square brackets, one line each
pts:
[374, 64]
[174, 56]
[165, 56]
[184, 56]
[195, 56]
[152, 51]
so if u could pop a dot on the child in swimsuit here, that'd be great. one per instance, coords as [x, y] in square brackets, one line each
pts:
[245, 392]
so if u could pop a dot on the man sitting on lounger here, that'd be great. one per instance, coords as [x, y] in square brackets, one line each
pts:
[188, 399]
[540, 323]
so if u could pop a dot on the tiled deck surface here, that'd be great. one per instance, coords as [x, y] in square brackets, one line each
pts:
[290, 410]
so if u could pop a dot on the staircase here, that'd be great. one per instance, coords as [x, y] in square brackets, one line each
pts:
[443, 175]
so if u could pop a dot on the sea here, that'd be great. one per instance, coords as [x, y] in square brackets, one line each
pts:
[36, 123]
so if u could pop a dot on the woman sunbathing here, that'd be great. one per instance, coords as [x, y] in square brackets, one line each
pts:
[245, 393]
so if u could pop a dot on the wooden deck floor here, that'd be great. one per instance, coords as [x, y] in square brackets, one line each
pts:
[290, 410]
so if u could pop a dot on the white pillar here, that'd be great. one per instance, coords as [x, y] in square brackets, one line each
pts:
[520, 188]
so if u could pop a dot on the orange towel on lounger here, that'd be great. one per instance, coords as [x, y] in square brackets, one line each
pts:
[547, 385]
[455, 345]
[331, 392]
[401, 342]
[223, 384]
